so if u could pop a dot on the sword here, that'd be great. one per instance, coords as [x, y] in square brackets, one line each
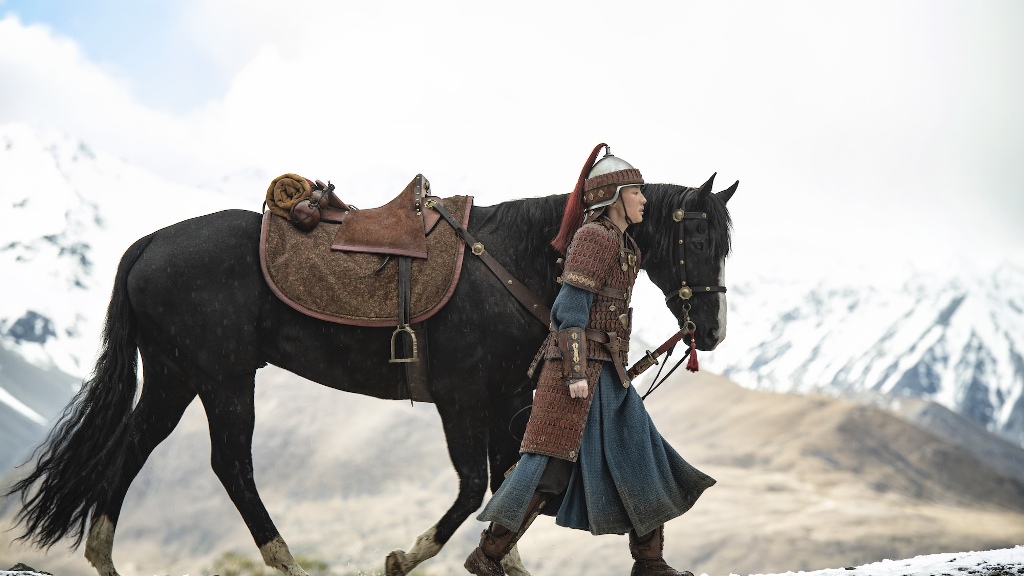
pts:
[651, 358]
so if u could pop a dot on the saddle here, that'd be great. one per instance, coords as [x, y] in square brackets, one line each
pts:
[388, 266]
[399, 227]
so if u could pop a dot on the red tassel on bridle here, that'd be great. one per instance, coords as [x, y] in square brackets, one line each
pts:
[572, 218]
[692, 364]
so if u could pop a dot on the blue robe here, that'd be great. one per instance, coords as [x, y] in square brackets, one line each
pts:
[626, 477]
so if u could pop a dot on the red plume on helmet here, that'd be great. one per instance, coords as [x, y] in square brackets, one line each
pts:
[572, 219]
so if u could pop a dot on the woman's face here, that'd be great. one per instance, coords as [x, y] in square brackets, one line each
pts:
[633, 200]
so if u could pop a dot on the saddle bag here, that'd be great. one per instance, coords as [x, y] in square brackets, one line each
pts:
[305, 202]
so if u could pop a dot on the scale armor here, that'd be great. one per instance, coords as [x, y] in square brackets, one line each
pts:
[599, 257]
[595, 261]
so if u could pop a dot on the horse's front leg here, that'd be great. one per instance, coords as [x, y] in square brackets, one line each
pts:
[400, 562]
[464, 417]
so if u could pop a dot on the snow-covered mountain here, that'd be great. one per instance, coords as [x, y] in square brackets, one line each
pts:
[957, 341]
[67, 213]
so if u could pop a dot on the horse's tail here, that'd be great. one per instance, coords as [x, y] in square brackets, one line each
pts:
[79, 465]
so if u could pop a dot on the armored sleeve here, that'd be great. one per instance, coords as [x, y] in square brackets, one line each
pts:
[591, 256]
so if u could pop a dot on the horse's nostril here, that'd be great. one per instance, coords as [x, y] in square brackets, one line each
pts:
[712, 334]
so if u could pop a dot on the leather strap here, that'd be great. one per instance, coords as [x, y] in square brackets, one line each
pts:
[697, 289]
[611, 343]
[404, 289]
[613, 293]
[416, 381]
[539, 356]
[515, 287]
[686, 291]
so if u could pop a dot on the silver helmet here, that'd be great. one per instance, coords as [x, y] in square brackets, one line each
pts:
[604, 181]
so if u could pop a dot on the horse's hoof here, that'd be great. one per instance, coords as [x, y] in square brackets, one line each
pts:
[393, 564]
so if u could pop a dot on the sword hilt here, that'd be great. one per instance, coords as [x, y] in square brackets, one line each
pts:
[641, 365]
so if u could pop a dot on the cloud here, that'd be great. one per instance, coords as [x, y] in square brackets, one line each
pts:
[49, 82]
[858, 132]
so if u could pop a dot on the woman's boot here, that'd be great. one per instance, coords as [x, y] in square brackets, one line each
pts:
[648, 552]
[496, 541]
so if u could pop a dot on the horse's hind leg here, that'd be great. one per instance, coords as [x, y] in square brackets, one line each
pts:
[230, 410]
[165, 395]
[465, 420]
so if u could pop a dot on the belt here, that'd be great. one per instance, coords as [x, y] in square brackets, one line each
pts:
[613, 344]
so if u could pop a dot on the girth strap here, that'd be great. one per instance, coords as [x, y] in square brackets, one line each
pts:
[416, 381]
[515, 287]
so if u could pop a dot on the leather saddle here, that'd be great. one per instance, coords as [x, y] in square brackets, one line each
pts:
[398, 228]
[387, 266]
[343, 270]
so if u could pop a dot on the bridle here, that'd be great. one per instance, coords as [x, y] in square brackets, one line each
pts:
[686, 291]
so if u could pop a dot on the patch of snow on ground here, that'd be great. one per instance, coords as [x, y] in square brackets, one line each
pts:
[955, 564]
[986, 563]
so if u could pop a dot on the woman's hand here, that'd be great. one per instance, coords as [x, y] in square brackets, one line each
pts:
[578, 389]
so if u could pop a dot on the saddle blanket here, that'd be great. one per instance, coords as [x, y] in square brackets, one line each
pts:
[359, 289]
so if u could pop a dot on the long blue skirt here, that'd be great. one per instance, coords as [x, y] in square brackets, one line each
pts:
[626, 477]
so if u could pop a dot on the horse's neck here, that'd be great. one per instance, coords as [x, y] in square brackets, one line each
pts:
[645, 233]
[527, 227]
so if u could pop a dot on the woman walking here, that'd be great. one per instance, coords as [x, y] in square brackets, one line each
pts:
[591, 455]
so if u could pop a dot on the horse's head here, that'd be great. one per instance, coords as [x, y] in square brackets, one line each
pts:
[684, 238]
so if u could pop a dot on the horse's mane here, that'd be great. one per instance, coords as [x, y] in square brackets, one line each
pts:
[511, 215]
[663, 199]
[534, 222]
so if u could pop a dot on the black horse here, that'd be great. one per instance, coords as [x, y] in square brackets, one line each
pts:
[191, 299]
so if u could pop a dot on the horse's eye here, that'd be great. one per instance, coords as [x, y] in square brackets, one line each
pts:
[698, 246]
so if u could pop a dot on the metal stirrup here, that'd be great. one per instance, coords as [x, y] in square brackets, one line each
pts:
[415, 347]
[404, 303]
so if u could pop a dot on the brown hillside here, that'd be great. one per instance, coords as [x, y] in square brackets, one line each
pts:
[804, 482]
[816, 435]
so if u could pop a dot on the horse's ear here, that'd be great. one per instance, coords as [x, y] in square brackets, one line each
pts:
[726, 194]
[705, 188]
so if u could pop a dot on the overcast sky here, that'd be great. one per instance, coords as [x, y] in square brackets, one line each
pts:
[863, 133]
